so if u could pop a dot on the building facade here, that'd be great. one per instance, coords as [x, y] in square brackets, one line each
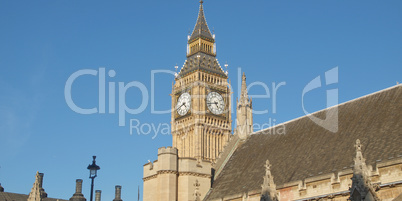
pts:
[362, 160]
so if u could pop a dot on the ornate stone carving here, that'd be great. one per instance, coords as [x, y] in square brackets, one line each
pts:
[197, 194]
[361, 183]
[244, 118]
[194, 174]
[37, 192]
[149, 177]
[268, 188]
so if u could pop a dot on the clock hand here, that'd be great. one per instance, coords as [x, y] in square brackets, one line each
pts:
[181, 105]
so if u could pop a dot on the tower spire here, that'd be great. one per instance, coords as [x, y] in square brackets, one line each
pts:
[201, 38]
[244, 117]
[268, 187]
[362, 187]
[244, 94]
[201, 49]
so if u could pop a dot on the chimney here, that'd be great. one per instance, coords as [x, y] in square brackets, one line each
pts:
[118, 194]
[1, 188]
[78, 186]
[40, 179]
[98, 195]
[43, 194]
[78, 196]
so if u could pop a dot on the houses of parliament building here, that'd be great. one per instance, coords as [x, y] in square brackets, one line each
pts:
[361, 160]
[207, 161]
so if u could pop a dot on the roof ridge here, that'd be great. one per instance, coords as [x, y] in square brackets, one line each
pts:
[316, 112]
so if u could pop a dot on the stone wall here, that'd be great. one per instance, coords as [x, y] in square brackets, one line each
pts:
[173, 178]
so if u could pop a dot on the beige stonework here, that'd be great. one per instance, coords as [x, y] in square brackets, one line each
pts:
[200, 124]
[199, 133]
[172, 178]
[37, 192]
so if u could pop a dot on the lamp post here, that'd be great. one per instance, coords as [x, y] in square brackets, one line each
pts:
[93, 169]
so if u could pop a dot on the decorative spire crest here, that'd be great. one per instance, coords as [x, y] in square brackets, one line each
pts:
[244, 117]
[244, 94]
[268, 188]
[361, 182]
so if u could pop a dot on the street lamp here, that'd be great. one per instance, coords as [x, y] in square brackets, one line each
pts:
[93, 169]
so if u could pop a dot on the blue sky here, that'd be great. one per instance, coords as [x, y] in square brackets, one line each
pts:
[44, 42]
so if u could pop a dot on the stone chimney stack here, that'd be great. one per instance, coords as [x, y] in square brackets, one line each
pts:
[78, 196]
[78, 186]
[42, 190]
[98, 195]
[40, 179]
[118, 194]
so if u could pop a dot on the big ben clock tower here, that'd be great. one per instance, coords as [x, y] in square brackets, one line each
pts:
[201, 105]
[201, 124]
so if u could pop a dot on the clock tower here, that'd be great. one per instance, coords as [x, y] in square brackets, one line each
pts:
[201, 105]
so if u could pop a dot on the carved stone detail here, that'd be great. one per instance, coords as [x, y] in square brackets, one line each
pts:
[197, 194]
[268, 188]
[37, 192]
[361, 183]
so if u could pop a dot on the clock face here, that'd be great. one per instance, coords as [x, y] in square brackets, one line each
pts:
[183, 104]
[215, 103]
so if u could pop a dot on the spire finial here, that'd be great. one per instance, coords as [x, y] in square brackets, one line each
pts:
[361, 181]
[358, 146]
[268, 187]
[201, 1]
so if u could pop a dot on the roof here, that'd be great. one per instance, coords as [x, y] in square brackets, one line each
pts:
[203, 62]
[5, 196]
[201, 27]
[307, 149]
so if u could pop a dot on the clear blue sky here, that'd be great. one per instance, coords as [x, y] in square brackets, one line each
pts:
[44, 42]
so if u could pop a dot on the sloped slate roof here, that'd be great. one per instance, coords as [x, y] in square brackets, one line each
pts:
[201, 27]
[5, 196]
[309, 150]
[205, 62]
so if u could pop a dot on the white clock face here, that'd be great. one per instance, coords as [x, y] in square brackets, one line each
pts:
[215, 103]
[183, 104]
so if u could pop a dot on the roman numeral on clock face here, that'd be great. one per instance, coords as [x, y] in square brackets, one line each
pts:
[215, 103]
